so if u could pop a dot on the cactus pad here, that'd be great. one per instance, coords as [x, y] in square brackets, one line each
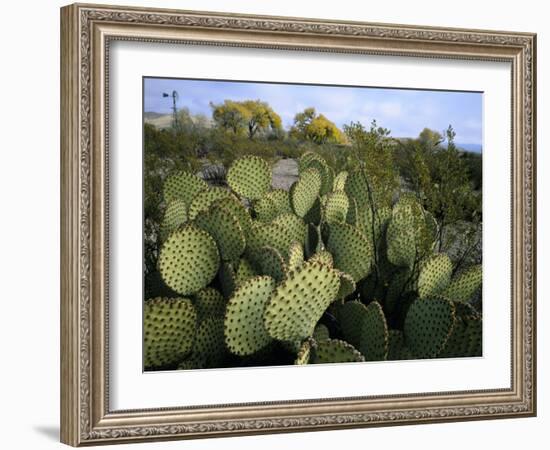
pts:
[335, 208]
[237, 209]
[266, 235]
[357, 187]
[265, 209]
[313, 239]
[272, 204]
[188, 260]
[272, 264]
[339, 183]
[306, 159]
[464, 286]
[244, 271]
[209, 343]
[458, 343]
[245, 333]
[396, 346]
[435, 275]
[209, 302]
[351, 316]
[335, 351]
[281, 200]
[295, 256]
[225, 229]
[305, 191]
[323, 257]
[427, 327]
[396, 288]
[227, 278]
[295, 227]
[249, 177]
[400, 237]
[374, 334]
[174, 216]
[304, 353]
[183, 186]
[352, 216]
[352, 251]
[204, 199]
[321, 332]
[169, 327]
[327, 175]
[474, 328]
[191, 363]
[300, 300]
[347, 285]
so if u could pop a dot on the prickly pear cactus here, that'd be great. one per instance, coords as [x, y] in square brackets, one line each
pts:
[272, 264]
[347, 285]
[332, 271]
[401, 237]
[323, 257]
[225, 229]
[428, 325]
[299, 301]
[169, 328]
[304, 354]
[174, 216]
[295, 256]
[204, 199]
[268, 235]
[245, 333]
[305, 191]
[339, 183]
[295, 228]
[189, 260]
[351, 250]
[209, 302]
[210, 343]
[397, 350]
[435, 276]
[321, 333]
[183, 186]
[335, 351]
[351, 316]
[373, 342]
[357, 187]
[464, 286]
[244, 271]
[335, 208]
[237, 210]
[249, 177]
[272, 205]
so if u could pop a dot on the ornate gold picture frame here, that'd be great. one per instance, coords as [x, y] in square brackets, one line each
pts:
[87, 32]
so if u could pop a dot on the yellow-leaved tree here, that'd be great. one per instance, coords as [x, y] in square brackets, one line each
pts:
[248, 117]
[310, 126]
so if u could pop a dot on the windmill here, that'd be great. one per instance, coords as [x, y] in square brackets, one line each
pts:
[175, 97]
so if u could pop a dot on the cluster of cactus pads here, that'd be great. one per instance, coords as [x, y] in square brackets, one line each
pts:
[330, 271]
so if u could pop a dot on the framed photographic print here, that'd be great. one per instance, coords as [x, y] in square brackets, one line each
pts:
[256, 207]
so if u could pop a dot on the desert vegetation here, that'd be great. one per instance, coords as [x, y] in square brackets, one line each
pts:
[266, 246]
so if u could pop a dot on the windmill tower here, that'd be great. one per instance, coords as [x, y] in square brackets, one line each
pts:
[175, 97]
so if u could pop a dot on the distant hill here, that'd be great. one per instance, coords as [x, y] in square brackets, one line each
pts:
[157, 119]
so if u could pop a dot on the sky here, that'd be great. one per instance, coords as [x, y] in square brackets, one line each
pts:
[406, 112]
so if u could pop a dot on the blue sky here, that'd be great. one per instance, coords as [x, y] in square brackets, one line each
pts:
[405, 112]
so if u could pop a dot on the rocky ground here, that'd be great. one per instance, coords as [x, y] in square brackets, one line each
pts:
[285, 172]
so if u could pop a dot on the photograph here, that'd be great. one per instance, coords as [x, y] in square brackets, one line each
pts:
[296, 224]
[292, 220]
